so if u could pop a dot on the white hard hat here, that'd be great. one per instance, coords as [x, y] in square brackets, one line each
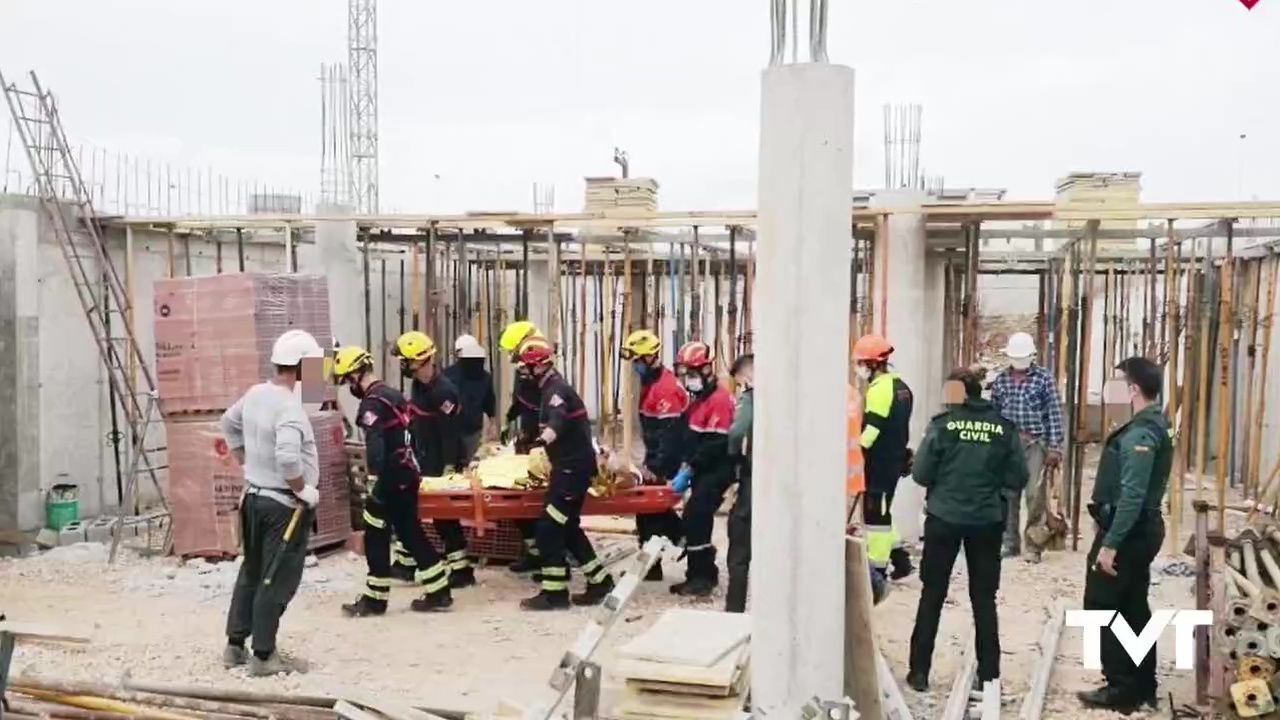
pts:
[1020, 346]
[468, 347]
[294, 345]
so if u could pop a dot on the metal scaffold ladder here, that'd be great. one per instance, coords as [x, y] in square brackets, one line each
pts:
[68, 206]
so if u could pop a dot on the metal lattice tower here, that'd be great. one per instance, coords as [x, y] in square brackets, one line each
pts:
[362, 66]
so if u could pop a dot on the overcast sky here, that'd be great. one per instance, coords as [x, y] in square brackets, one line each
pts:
[494, 95]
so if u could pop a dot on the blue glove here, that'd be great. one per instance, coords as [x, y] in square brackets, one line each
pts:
[680, 482]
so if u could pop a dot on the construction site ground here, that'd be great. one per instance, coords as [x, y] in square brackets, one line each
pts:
[158, 619]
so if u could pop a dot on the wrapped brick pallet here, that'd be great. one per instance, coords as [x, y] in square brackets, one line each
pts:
[205, 483]
[214, 334]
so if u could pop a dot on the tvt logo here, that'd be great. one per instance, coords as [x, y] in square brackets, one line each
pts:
[1139, 645]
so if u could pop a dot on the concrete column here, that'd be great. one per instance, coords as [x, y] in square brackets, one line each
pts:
[802, 345]
[20, 407]
[910, 311]
[335, 255]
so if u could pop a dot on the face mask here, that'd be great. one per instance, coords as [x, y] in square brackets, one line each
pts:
[640, 367]
[693, 384]
[1020, 363]
[863, 371]
[406, 371]
[356, 391]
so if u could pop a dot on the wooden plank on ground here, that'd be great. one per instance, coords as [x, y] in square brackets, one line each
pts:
[390, 708]
[682, 636]
[721, 674]
[40, 633]
[1033, 702]
[637, 705]
[347, 711]
[957, 707]
[861, 668]
[890, 694]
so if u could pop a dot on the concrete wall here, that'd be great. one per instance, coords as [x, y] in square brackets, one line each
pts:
[55, 413]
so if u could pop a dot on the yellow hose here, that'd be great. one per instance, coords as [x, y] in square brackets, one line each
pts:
[92, 702]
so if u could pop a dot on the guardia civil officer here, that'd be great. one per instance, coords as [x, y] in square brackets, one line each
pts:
[1132, 475]
[969, 459]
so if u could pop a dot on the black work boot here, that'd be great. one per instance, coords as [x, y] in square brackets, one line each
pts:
[525, 563]
[546, 600]
[403, 573]
[655, 572]
[432, 602]
[697, 587]
[595, 593]
[1109, 697]
[464, 578]
[365, 606]
[918, 681]
[901, 561]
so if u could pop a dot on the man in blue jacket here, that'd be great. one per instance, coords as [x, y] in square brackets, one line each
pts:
[475, 386]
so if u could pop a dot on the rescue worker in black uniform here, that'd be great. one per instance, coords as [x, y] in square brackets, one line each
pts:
[661, 408]
[566, 435]
[970, 458]
[738, 558]
[392, 502]
[886, 430]
[437, 438]
[522, 426]
[1133, 473]
[707, 465]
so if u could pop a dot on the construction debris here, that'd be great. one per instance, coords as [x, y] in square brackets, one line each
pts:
[690, 662]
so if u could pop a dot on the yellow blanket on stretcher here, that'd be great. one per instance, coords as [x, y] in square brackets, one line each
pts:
[506, 470]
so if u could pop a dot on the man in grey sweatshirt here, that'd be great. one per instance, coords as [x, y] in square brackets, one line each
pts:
[268, 431]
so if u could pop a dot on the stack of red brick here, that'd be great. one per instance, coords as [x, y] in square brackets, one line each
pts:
[213, 340]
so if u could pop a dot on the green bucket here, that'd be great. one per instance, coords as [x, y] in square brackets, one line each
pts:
[61, 506]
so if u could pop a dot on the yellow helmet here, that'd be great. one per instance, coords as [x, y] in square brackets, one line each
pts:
[514, 333]
[350, 359]
[415, 345]
[641, 343]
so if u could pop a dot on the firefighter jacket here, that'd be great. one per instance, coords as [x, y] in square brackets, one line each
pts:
[740, 432]
[969, 458]
[706, 440]
[662, 405]
[886, 428]
[384, 416]
[526, 398]
[1133, 473]
[562, 410]
[436, 425]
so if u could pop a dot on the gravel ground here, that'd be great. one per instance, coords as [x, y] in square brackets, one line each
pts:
[160, 620]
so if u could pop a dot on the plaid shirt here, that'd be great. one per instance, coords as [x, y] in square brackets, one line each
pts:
[1032, 404]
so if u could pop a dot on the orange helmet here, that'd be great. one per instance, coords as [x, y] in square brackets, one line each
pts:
[535, 351]
[694, 354]
[872, 348]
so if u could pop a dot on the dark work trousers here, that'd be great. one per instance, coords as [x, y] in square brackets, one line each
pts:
[739, 556]
[560, 530]
[942, 541]
[1126, 593]
[454, 540]
[705, 499]
[667, 524]
[256, 607]
[394, 508]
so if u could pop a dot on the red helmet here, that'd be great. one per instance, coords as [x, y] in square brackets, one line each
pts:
[872, 348]
[535, 351]
[694, 354]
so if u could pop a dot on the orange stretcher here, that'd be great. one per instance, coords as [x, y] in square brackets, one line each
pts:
[483, 504]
